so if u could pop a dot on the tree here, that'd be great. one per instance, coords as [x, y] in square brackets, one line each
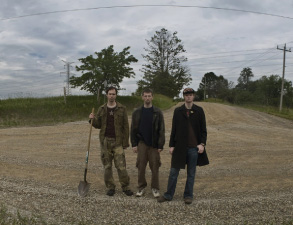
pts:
[269, 90]
[109, 68]
[214, 86]
[244, 78]
[164, 71]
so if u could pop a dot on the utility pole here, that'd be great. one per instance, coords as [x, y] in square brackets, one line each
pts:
[283, 76]
[205, 84]
[67, 65]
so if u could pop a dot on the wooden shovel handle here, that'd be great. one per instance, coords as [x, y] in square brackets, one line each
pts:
[89, 141]
[88, 147]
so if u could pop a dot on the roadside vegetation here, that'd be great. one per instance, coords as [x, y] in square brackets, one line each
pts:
[53, 110]
[286, 113]
[7, 218]
[263, 94]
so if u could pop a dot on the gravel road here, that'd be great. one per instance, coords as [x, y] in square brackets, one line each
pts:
[249, 179]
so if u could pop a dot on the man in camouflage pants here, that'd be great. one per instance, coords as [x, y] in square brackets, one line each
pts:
[112, 121]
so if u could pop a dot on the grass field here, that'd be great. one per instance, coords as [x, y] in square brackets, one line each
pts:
[286, 113]
[53, 110]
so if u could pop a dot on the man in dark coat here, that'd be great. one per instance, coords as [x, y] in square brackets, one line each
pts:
[187, 145]
[148, 139]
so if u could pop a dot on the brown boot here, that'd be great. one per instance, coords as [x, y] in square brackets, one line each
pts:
[188, 201]
[162, 199]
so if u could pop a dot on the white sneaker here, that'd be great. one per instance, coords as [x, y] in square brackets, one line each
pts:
[140, 193]
[156, 192]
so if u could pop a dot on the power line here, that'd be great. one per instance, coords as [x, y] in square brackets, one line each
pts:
[264, 60]
[216, 63]
[248, 50]
[222, 56]
[134, 6]
[267, 52]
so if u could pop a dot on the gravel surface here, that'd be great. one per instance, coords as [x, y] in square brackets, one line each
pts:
[249, 180]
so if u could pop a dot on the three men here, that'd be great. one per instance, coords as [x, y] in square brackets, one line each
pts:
[187, 145]
[112, 119]
[187, 142]
[148, 139]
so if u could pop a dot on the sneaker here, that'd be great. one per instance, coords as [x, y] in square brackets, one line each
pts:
[111, 192]
[156, 193]
[140, 193]
[188, 200]
[162, 199]
[128, 192]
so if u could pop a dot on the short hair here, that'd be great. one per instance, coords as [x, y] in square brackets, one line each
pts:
[111, 88]
[147, 90]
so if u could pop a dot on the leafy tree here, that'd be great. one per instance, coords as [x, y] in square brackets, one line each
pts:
[109, 68]
[269, 90]
[244, 78]
[164, 71]
[214, 86]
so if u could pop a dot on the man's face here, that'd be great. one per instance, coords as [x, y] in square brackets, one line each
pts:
[147, 98]
[111, 95]
[188, 98]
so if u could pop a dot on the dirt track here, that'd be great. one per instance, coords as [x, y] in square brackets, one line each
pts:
[249, 179]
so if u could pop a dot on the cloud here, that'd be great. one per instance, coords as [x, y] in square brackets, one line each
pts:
[32, 48]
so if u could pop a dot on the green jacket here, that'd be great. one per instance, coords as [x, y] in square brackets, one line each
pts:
[120, 123]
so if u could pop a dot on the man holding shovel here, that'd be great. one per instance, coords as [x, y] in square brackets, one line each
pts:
[112, 121]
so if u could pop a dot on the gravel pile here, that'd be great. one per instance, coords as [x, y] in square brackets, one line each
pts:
[61, 205]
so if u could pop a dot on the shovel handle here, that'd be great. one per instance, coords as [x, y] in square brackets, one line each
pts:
[88, 147]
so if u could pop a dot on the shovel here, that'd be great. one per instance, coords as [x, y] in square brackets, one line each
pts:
[84, 186]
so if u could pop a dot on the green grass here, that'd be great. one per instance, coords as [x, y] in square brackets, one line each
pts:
[53, 110]
[7, 218]
[286, 113]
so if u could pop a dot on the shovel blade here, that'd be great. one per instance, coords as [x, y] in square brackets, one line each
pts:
[83, 188]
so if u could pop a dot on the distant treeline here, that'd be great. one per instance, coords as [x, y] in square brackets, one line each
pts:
[264, 91]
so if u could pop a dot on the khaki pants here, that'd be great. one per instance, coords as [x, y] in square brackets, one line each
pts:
[110, 152]
[147, 154]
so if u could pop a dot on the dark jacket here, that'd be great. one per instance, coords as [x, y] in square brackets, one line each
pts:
[158, 132]
[120, 123]
[179, 135]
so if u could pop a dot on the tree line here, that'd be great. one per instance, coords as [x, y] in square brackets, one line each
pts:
[264, 91]
[165, 72]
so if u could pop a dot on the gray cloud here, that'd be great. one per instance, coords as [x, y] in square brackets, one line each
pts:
[31, 48]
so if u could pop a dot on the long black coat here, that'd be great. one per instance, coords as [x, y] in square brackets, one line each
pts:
[179, 135]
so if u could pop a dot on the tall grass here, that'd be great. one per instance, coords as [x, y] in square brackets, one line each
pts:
[40, 111]
[53, 110]
[286, 113]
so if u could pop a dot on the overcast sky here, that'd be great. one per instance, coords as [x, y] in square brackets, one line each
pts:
[221, 41]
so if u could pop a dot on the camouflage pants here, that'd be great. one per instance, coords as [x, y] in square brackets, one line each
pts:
[110, 152]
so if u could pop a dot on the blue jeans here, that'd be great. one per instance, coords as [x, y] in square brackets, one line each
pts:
[191, 161]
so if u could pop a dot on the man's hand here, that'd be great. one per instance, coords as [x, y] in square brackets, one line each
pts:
[171, 150]
[200, 149]
[134, 149]
[91, 116]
